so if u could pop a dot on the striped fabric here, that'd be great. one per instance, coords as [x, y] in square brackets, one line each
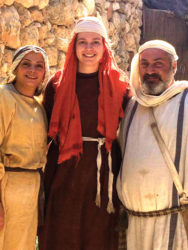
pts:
[123, 223]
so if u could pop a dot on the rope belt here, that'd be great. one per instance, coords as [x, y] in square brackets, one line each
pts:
[101, 141]
[158, 213]
[41, 196]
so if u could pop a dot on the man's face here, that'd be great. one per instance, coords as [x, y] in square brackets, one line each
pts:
[156, 71]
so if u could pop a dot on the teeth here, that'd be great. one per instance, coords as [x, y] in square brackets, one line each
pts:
[89, 55]
[30, 77]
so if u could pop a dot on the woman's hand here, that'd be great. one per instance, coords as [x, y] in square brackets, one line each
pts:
[1, 216]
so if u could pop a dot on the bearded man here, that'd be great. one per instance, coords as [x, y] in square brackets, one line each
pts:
[153, 179]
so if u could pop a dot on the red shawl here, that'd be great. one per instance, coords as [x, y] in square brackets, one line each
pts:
[65, 120]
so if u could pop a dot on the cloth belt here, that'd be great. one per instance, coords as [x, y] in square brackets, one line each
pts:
[101, 141]
[157, 213]
[41, 197]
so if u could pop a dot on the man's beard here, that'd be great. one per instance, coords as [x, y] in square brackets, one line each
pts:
[157, 86]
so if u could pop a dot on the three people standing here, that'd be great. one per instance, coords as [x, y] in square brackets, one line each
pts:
[84, 105]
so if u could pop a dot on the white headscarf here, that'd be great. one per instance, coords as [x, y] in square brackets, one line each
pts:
[21, 52]
[159, 44]
[135, 82]
[19, 55]
[91, 24]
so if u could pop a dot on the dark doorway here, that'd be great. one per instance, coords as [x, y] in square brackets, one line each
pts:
[161, 24]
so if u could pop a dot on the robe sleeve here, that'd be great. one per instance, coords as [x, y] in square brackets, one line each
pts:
[7, 108]
[127, 96]
[123, 125]
[53, 152]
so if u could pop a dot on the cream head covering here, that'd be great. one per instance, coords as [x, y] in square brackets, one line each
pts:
[21, 52]
[159, 44]
[91, 24]
[135, 83]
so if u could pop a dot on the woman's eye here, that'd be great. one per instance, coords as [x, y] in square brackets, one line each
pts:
[26, 64]
[81, 42]
[41, 66]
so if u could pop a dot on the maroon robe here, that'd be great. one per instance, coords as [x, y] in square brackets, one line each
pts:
[73, 221]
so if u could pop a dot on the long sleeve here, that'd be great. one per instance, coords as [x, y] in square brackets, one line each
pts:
[51, 167]
[6, 113]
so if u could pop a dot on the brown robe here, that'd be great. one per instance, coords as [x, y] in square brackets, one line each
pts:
[73, 221]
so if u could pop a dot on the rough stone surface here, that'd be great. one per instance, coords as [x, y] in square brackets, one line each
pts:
[10, 27]
[37, 16]
[2, 49]
[60, 14]
[31, 3]
[62, 44]
[50, 23]
[52, 55]
[61, 59]
[24, 14]
[8, 2]
[30, 35]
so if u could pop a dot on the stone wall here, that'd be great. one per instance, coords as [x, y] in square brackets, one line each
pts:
[49, 24]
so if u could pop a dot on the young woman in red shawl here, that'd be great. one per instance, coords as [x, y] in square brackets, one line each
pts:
[84, 105]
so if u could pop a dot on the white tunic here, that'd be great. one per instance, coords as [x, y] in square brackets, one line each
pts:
[145, 183]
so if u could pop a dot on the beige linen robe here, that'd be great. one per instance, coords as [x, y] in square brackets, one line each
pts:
[145, 183]
[22, 144]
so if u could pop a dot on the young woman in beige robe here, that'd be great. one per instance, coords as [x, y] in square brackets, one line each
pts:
[22, 149]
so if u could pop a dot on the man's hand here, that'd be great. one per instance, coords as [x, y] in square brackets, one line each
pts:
[1, 216]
